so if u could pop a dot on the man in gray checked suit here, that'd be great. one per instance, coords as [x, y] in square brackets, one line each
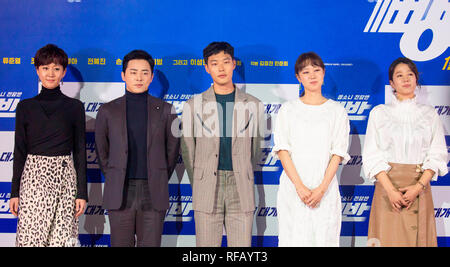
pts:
[221, 143]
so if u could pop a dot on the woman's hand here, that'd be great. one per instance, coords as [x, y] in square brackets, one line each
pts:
[395, 196]
[396, 199]
[80, 206]
[410, 193]
[317, 193]
[303, 192]
[315, 197]
[14, 206]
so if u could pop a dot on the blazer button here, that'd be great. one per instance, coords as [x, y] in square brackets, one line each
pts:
[215, 173]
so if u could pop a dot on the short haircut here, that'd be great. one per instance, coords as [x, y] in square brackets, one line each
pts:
[217, 47]
[137, 54]
[412, 66]
[51, 54]
[309, 58]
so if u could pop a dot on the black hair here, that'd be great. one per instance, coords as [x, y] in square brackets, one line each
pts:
[51, 54]
[217, 47]
[309, 58]
[137, 54]
[412, 66]
[306, 59]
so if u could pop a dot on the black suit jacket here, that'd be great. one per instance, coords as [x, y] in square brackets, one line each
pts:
[112, 150]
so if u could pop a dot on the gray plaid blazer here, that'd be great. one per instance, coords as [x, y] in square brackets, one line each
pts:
[200, 146]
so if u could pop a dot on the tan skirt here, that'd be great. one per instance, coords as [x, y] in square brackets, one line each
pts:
[415, 227]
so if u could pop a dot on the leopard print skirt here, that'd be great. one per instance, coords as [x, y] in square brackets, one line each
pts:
[47, 195]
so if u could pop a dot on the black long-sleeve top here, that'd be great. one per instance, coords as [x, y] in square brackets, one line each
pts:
[50, 124]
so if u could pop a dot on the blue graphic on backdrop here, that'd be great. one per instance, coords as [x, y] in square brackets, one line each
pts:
[356, 203]
[8, 223]
[424, 25]
[356, 39]
[93, 172]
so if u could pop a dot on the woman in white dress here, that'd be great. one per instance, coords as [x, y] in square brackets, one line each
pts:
[404, 150]
[311, 139]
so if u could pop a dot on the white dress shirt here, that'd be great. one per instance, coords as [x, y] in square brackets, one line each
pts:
[404, 132]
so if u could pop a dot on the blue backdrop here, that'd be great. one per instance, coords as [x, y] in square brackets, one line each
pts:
[357, 40]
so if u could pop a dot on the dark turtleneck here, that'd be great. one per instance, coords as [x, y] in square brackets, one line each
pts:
[137, 121]
[50, 100]
[50, 124]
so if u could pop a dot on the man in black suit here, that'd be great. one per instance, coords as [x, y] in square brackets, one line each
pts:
[137, 151]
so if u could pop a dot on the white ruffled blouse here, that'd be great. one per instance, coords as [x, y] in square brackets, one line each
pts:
[404, 132]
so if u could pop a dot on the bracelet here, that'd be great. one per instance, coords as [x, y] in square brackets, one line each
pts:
[423, 186]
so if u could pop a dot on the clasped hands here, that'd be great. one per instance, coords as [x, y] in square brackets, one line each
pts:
[404, 197]
[312, 197]
[399, 198]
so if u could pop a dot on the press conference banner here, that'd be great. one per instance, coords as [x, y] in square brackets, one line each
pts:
[357, 40]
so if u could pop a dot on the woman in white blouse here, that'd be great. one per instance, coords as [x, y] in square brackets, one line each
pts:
[310, 138]
[404, 150]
